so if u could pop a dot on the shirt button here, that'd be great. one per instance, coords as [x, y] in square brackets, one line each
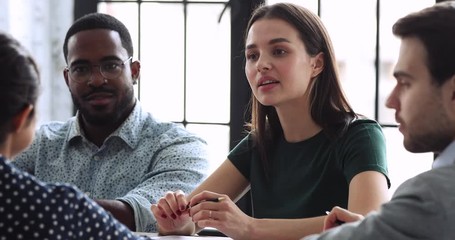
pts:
[96, 158]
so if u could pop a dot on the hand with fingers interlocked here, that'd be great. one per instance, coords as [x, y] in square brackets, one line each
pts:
[172, 214]
[177, 215]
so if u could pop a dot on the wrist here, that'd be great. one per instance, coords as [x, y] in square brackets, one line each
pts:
[252, 228]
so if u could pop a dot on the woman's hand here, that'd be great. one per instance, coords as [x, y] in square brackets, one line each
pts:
[338, 215]
[209, 209]
[172, 214]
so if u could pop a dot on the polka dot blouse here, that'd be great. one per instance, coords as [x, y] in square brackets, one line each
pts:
[30, 209]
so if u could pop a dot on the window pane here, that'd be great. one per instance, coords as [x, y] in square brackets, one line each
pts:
[217, 137]
[208, 63]
[354, 49]
[391, 11]
[126, 13]
[162, 58]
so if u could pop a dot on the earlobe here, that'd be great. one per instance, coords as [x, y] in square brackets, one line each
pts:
[65, 76]
[450, 86]
[452, 81]
[21, 119]
[318, 64]
[135, 71]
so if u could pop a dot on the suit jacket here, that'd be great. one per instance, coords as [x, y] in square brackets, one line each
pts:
[423, 207]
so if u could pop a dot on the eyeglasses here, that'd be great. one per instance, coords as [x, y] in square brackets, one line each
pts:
[110, 69]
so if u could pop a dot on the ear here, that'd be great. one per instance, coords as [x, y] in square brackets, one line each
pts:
[65, 75]
[21, 120]
[452, 88]
[448, 96]
[317, 63]
[135, 71]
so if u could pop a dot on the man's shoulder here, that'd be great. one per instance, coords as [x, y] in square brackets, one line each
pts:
[157, 126]
[174, 132]
[437, 181]
[437, 174]
[54, 129]
[153, 127]
[145, 120]
[442, 176]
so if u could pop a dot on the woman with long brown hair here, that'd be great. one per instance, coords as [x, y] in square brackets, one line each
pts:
[307, 150]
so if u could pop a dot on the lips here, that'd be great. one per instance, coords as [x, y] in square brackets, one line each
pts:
[266, 80]
[99, 98]
[400, 124]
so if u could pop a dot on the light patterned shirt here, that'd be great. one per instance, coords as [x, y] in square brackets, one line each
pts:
[31, 209]
[136, 164]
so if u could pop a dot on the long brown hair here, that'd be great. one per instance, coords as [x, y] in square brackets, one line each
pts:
[329, 107]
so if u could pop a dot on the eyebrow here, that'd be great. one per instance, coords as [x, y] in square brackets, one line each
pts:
[398, 74]
[273, 41]
[104, 59]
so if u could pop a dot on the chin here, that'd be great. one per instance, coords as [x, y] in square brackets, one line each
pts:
[267, 103]
[101, 119]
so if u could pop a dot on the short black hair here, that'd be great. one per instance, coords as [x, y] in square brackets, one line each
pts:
[99, 21]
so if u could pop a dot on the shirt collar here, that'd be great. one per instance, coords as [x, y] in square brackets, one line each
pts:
[446, 157]
[132, 129]
[129, 131]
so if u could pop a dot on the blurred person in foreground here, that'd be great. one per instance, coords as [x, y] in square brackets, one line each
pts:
[113, 150]
[424, 101]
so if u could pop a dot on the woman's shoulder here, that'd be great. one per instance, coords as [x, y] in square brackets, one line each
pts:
[362, 125]
[363, 129]
[364, 122]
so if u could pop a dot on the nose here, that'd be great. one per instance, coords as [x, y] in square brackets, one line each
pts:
[96, 78]
[392, 100]
[263, 64]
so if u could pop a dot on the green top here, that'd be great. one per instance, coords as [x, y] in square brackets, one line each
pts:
[310, 177]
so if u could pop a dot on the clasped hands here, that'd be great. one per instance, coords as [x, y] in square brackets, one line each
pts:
[177, 214]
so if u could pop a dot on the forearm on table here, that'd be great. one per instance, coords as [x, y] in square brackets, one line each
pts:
[120, 210]
[285, 228]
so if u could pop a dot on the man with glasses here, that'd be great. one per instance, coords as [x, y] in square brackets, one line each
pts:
[113, 150]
